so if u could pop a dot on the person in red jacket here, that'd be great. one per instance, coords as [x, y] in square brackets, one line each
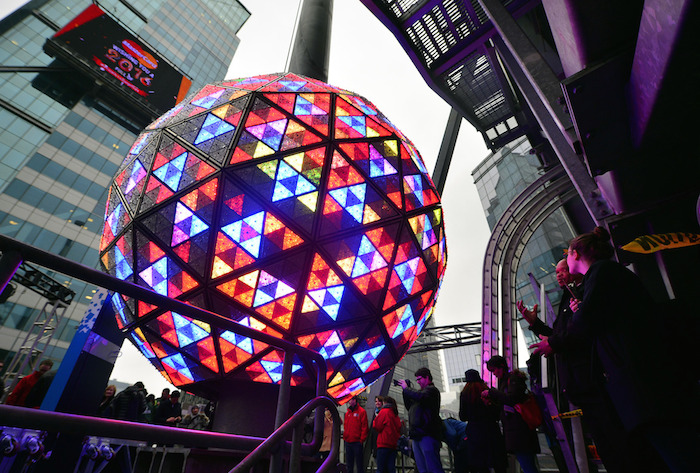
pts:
[18, 395]
[355, 434]
[388, 427]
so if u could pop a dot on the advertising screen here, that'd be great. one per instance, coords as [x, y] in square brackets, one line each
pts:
[111, 50]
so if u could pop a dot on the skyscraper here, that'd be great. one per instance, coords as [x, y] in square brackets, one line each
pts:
[65, 131]
[499, 178]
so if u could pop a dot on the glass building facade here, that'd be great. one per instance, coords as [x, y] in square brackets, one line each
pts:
[63, 136]
[457, 361]
[500, 178]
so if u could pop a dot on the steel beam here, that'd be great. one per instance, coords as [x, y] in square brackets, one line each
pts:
[447, 149]
[541, 89]
[312, 42]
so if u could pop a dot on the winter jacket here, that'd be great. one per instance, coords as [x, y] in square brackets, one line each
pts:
[36, 395]
[618, 314]
[485, 446]
[388, 427]
[129, 404]
[356, 427]
[572, 354]
[423, 412]
[166, 410]
[198, 422]
[19, 395]
[519, 437]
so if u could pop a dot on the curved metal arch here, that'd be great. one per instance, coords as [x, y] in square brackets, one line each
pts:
[506, 245]
[511, 263]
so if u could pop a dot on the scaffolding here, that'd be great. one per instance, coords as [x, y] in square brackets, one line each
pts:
[42, 328]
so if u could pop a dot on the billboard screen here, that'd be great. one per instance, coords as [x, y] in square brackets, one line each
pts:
[111, 50]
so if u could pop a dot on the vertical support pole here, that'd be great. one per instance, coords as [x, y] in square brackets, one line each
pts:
[295, 454]
[579, 443]
[544, 379]
[282, 408]
[447, 148]
[285, 388]
[312, 43]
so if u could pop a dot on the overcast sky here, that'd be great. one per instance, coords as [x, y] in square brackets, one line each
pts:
[367, 59]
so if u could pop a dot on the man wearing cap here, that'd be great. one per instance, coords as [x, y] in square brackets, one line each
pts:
[355, 434]
[425, 425]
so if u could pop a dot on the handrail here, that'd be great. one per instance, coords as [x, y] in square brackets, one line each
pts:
[10, 247]
[49, 421]
[119, 429]
[269, 445]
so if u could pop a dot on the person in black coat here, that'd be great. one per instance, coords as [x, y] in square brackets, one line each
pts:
[617, 314]
[130, 403]
[105, 407]
[573, 366]
[485, 447]
[572, 356]
[512, 389]
[169, 412]
[425, 425]
[38, 392]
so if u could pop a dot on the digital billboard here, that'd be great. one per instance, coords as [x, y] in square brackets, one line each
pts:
[113, 53]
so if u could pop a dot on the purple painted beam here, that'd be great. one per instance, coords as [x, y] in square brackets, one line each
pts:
[663, 22]
[587, 32]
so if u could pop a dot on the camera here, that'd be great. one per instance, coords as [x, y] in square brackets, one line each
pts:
[408, 383]
[396, 382]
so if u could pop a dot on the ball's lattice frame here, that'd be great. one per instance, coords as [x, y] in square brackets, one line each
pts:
[290, 206]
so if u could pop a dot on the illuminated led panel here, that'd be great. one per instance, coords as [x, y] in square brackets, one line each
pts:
[283, 204]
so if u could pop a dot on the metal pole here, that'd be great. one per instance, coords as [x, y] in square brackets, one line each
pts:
[312, 43]
[282, 408]
[447, 148]
[295, 452]
[544, 379]
[579, 443]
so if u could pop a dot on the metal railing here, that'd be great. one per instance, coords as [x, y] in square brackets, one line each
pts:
[293, 424]
[259, 448]
[14, 252]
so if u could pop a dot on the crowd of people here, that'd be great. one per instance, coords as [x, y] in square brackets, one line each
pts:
[605, 365]
[606, 345]
[132, 404]
[136, 405]
[600, 342]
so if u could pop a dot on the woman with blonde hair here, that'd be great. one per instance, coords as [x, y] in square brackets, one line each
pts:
[105, 407]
